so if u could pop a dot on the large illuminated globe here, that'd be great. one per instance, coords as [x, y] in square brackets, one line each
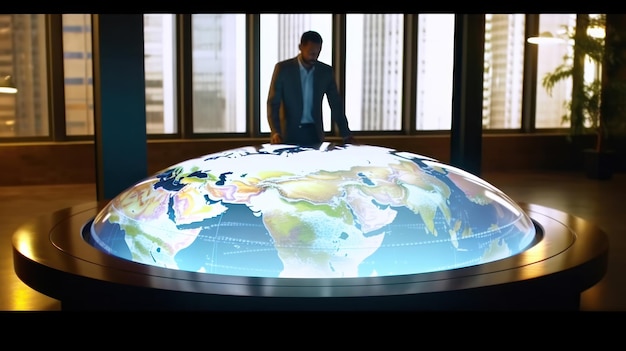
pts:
[329, 212]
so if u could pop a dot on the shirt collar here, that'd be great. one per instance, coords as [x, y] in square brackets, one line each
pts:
[302, 68]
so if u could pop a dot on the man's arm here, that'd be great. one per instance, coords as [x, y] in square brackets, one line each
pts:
[337, 111]
[274, 99]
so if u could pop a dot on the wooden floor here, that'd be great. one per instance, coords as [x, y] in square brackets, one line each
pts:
[599, 202]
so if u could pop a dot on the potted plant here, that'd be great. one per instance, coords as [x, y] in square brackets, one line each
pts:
[596, 106]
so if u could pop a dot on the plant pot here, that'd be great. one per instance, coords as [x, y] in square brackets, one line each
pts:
[599, 165]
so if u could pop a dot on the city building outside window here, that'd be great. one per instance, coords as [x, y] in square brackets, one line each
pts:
[435, 66]
[23, 57]
[160, 72]
[551, 107]
[78, 74]
[374, 58]
[505, 40]
[219, 73]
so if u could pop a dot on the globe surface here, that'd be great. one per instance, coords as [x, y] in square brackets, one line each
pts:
[330, 212]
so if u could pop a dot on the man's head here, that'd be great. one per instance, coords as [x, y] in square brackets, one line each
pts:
[310, 47]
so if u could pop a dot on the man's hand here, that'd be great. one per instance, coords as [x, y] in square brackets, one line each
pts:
[276, 138]
[349, 140]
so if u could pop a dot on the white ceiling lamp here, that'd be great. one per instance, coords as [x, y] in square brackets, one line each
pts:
[546, 38]
[7, 86]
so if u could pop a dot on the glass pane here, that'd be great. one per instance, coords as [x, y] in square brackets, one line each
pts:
[280, 37]
[159, 34]
[23, 57]
[160, 70]
[504, 71]
[435, 67]
[78, 74]
[374, 51]
[551, 108]
[219, 73]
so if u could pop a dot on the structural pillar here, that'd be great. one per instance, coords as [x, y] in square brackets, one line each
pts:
[119, 102]
[467, 95]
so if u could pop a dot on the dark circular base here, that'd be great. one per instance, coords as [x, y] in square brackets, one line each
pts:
[51, 255]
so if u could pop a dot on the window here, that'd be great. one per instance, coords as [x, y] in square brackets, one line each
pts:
[280, 37]
[505, 40]
[374, 51]
[78, 74]
[23, 57]
[435, 66]
[219, 73]
[373, 69]
[160, 71]
[551, 107]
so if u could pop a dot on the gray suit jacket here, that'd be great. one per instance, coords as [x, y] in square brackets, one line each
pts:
[284, 101]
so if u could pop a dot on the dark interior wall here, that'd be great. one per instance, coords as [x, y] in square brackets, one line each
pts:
[74, 162]
[47, 163]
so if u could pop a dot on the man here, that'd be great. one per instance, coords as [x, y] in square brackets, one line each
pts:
[294, 102]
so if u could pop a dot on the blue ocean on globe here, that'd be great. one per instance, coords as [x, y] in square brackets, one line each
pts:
[336, 211]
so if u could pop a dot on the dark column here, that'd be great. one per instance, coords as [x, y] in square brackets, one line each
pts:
[467, 96]
[612, 134]
[119, 102]
[578, 76]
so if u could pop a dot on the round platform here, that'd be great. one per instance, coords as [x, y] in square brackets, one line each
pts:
[52, 256]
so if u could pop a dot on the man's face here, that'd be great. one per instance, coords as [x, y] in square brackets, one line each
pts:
[310, 51]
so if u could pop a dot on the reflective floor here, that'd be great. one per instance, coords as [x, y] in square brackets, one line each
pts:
[596, 201]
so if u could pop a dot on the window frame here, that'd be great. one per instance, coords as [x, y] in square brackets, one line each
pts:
[55, 76]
